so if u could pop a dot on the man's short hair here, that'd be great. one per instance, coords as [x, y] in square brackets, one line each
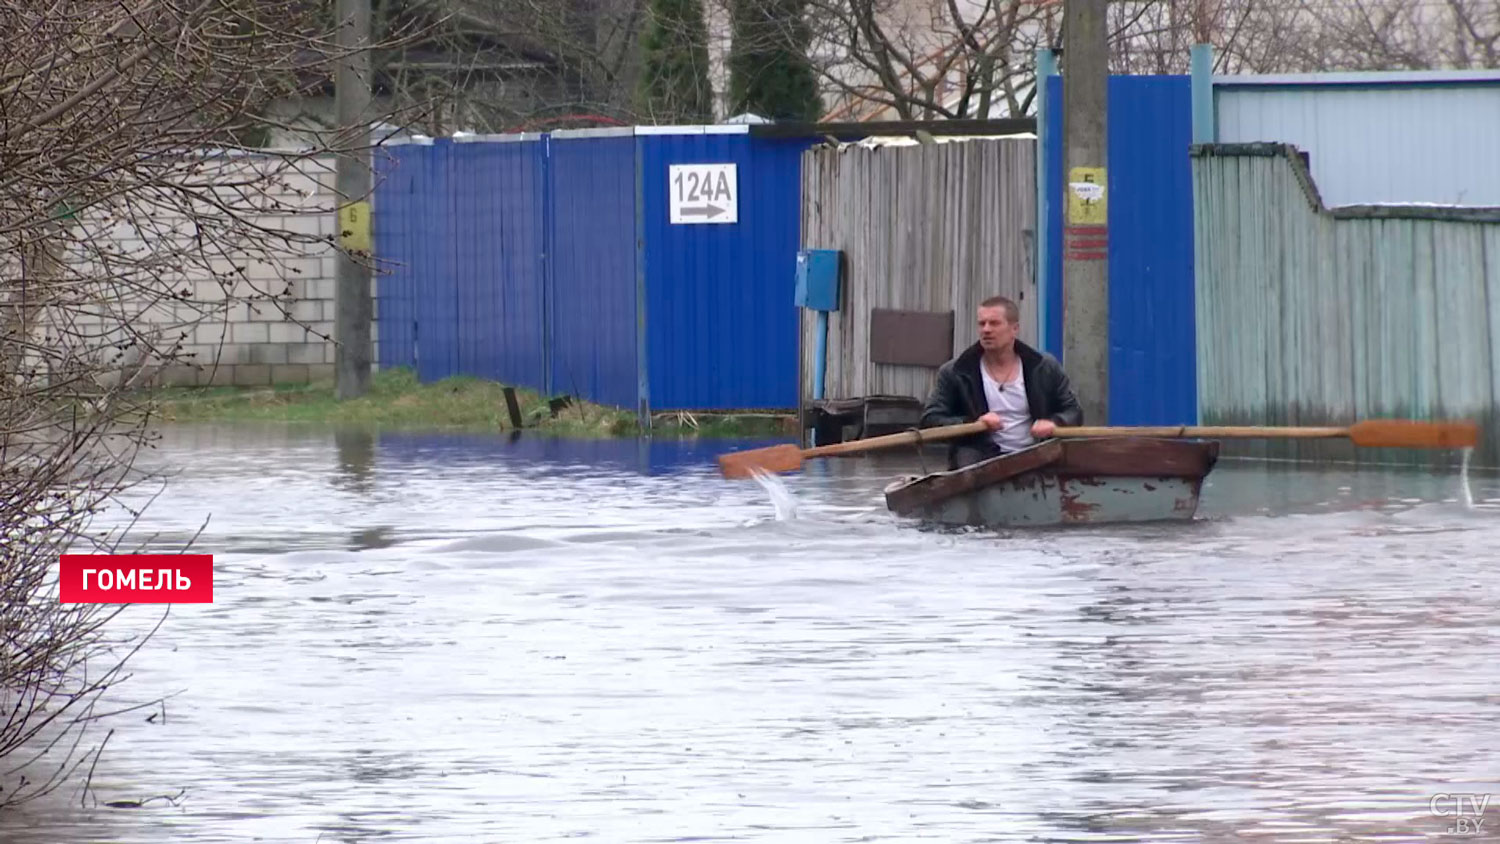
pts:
[1012, 311]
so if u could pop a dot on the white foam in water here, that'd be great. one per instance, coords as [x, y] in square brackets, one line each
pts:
[781, 498]
[1463, 481]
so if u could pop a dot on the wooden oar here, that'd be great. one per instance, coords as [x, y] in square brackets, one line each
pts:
[788, 458]
[1371, 433]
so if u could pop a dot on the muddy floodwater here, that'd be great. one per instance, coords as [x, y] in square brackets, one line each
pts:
[460, 638]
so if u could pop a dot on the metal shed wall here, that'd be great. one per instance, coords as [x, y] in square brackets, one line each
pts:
[1315, 317]
[1377, 137]
[937, 227]
[594, 317]
[721, 324]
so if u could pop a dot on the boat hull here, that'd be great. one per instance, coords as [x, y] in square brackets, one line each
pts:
[1065, 482]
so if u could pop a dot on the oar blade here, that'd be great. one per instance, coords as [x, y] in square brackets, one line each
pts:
[1411, 433]
[777, 458]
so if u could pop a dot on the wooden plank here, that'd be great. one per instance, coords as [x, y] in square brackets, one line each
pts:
[1091, 458]
[941, 486]
[914, 338]
[1137, 457]
[513, 407]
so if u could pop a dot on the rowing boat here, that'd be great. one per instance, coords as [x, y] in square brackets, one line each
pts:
[1065, 481]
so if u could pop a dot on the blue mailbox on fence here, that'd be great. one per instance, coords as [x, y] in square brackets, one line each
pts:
[818, 290]
[818, 279]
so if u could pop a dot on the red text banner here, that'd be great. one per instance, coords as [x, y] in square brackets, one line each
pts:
[137, 579]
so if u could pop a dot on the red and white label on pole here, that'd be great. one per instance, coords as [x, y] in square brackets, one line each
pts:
[137, 579]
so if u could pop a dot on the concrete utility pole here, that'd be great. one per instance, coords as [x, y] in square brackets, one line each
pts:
[353, 310]
[1086, 227]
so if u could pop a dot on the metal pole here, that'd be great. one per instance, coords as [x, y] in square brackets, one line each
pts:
[1046, 66]
[352, 305]
[1086, 230]
[1204, 122]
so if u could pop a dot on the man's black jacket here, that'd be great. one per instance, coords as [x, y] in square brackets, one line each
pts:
[958, 397]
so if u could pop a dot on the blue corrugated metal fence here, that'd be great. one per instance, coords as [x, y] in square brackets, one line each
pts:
[549, 262]
[593, 284]
[402, 175]
[721, 316]
[435, 289]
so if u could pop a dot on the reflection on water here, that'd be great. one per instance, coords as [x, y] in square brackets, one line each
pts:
[356, 451]
[434, 638]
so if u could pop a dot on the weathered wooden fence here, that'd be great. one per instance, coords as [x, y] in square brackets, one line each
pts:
[1312, 316]
[926, 227]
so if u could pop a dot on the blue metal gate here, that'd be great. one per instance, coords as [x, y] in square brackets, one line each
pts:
[1152, 332]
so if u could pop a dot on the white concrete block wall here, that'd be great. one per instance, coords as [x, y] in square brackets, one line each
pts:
[283, 334]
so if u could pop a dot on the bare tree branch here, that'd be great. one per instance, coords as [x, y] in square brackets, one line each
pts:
[968, 58]
[132, 222]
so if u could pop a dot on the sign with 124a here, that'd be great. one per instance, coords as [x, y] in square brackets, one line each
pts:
[702, 193]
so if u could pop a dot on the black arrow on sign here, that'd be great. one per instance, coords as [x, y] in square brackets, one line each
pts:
[702, 211]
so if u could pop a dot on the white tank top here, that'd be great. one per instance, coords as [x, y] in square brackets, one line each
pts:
[1009, 402]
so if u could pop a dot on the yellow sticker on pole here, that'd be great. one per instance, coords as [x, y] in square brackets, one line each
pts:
[1088, 196]
[354, 227]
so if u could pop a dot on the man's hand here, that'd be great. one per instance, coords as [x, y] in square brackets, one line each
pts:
[1043, 428]
[991, 420]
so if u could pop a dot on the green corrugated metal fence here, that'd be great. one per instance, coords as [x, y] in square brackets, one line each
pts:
[1315, 316]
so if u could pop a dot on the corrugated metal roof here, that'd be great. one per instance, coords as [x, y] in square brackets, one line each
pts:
[1377, 138]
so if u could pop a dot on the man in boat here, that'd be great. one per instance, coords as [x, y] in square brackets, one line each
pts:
[1021, 393]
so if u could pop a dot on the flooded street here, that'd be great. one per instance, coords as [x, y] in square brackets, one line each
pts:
[465, 638]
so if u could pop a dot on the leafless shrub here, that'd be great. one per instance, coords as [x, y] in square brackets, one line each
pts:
[132, 215]
[928, 59]
[485, 66]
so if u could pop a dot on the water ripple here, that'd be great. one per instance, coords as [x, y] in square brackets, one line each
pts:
[458, 639]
